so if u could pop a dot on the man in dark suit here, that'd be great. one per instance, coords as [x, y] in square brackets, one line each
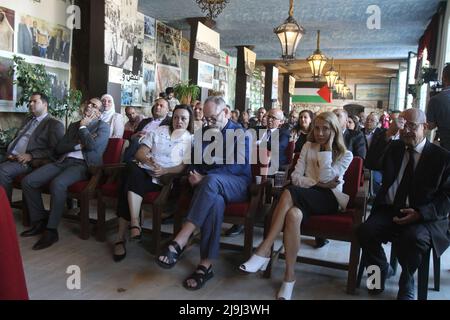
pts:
[160, 111]
[354, 140]
[25, 39]
[411, 209]
[372, 133]
[33, 144]
[80, 148]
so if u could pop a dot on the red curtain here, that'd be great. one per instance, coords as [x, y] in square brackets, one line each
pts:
[12, 277]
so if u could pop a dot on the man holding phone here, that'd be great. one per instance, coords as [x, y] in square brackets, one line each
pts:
[411, 208]
[81, 147]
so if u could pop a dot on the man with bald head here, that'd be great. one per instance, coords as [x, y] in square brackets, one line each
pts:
[412, 205]
[438, 111]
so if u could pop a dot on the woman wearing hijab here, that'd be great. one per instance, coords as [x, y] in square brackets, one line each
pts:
[109, 115]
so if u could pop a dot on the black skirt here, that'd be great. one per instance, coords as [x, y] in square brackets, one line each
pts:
[138, 181]
[314, 201]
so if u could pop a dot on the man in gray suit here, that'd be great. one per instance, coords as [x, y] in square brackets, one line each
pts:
[80, 148]
[34, 143]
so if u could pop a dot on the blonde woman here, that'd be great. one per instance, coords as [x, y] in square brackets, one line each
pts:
[111, 117]
[316, 190]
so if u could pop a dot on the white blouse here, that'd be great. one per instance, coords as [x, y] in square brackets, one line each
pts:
[315, 166]
[168, 150]
[117, 126]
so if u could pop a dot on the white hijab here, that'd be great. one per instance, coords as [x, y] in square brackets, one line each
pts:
[107, 115]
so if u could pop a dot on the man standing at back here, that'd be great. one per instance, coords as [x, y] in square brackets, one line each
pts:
[438, 111]
[34, 142]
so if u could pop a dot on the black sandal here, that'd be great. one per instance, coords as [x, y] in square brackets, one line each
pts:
[138, 237]
[171, 256]
[120, 257]
[199, 278]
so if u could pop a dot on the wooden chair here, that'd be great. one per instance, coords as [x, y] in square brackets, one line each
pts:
[339, 226]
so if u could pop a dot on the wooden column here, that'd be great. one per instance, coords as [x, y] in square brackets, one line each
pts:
[286, 94]
[241, 102]
[268, 85]
[193, 63]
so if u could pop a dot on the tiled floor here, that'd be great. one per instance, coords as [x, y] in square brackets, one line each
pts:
[139, 277]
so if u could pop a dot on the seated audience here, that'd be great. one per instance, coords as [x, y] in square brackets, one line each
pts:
[162, 152]
[215, 185]
[81, 147]
[235, 115]
[411, 208]
[198, 116]
[316, 189]
[34, 142]
[244, 120]
[300, 132]
[354, 140]
[111, 117]
[134, 118]
[292, 120]
[353, 123]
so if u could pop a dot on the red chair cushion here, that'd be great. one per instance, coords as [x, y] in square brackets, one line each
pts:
[113, 151]
[127, 134]
[110, 189]
[150, 197]
[239, 209]
[340, 223]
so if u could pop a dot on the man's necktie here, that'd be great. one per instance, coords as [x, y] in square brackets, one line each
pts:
[405, 184]
[23, 143]
[269, 139]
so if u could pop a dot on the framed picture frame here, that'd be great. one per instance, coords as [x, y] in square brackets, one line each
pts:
[372, 92]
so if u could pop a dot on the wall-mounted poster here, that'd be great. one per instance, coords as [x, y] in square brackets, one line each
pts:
[166, 76]
[275, 83]
[205, 75]
[149, 27]
[207, 45]
[168, 45]
[131, 89]
[43, 39]
[120, 32]
[149, 85]
[6, 29]
[6, 84]
[372, 92]
[250, 61]
[185, 50]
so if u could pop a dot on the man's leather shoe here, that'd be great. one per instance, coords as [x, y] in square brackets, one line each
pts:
[48, 238]
[321, 242]
[38, 228]
[235, 230]
[406, 287]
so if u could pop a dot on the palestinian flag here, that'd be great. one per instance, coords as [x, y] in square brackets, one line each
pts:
[311, 93]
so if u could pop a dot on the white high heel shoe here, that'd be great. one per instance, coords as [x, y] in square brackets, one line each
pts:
[285, 291]
[254, 264]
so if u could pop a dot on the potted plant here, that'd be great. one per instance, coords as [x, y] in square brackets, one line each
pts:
[186, 92]
[32, 78]
[6, 136]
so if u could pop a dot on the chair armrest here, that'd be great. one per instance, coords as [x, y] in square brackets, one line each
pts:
[360, 207]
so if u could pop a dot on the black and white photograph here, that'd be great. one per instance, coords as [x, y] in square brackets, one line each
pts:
[207, 45]
[166, 76]
[250, 61]
[149, 27]
[168, 45]
[120, 32]
[7, 18]
[138, 57]
[205, 75]
[149, 85]
[40, 38]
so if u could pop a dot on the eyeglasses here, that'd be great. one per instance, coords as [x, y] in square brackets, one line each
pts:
[273, 118]
[213, 120]
[411, 126]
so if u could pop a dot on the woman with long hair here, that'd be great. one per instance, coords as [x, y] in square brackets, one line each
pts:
[111, 117]
[316, 189]
[162, 152]
[300, 132]
[353, 123]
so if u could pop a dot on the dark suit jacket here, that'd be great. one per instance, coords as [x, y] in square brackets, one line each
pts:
[283, 136]
[44, 139]
[144, 122]
[354, 142]
[430, 193]
[94, 139]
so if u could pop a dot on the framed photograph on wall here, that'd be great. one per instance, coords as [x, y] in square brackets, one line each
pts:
[372, 92]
